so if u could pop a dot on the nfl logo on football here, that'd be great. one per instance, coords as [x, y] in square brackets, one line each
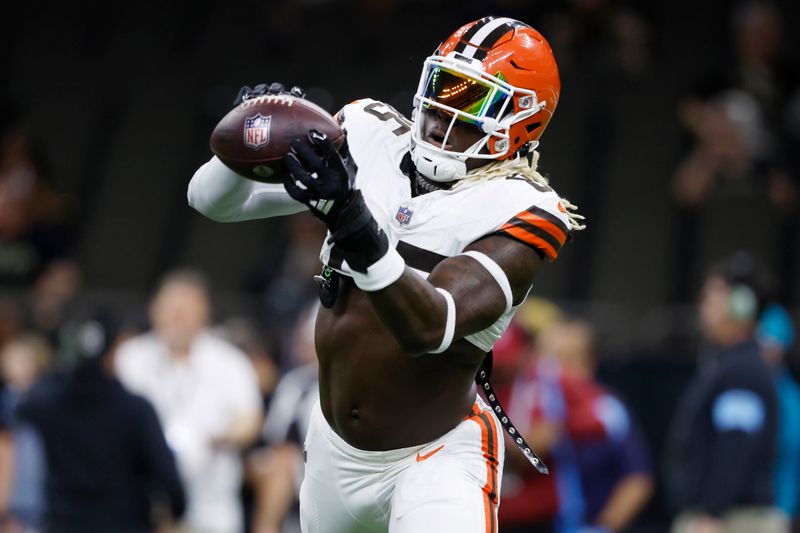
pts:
[403, 215]
[256, 131]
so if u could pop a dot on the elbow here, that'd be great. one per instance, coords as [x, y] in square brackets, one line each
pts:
[195, 200]
[194, 194]
[420, 335]
[194, 203]
[216, 217]
[209, 204]
[420, 341]
[206, 208]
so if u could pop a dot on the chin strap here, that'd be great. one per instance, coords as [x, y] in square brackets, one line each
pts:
[482, 379]
[423, 185]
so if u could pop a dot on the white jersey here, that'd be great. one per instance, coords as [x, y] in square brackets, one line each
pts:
[434, 226]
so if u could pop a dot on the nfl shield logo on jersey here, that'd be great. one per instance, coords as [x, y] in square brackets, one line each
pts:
[256, 131]
[403, 215]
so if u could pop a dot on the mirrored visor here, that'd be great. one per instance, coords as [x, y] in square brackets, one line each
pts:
[469, 95]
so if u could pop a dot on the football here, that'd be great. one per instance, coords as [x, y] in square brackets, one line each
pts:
[253, 137]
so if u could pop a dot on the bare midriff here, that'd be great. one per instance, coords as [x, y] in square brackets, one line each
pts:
[377, 397]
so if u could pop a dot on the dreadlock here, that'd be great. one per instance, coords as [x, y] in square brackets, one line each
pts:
[521, 166]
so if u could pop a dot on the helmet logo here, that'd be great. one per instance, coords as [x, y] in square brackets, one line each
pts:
[403, 215]
[256, 131]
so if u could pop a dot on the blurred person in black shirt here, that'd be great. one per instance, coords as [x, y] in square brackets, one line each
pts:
[107, 457]
[722, 447]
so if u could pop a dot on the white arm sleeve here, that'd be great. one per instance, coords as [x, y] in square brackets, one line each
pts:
[222, 195]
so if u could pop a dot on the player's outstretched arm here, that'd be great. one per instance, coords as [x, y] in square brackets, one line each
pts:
[220, 194]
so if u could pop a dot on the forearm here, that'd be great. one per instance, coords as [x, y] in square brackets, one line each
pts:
[626, 501]
[220, 194]
[463, 294]
[417, 313]
[275, 487]
[414, 311]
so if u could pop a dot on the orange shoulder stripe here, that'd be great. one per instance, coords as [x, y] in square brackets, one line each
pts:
[533, 240]
[545, 224]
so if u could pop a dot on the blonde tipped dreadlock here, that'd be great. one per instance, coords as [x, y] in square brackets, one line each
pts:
[523, 167]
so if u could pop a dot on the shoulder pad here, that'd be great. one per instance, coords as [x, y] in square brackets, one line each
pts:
[369, 113]
[541, 220]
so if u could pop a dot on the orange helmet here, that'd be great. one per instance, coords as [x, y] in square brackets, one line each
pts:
[496, 73]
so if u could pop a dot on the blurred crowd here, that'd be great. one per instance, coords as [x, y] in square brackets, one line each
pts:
[162, 413]
[743, 136]
[186, 425]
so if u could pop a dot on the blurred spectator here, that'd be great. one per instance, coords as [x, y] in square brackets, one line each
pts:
[49, 301]
[555, 412]
[206, 394]
[602, 37]
[761, 65]
[278, 469]
[530, 500]
[721, 453]
[107, 458]
[729, 134]
[741, 142]
[600, 469]
[22, 361]
[283, 282]
[776, 336]
[615, 473]
[32, 216]
[10, 318]
[737, 117]
[242, 332]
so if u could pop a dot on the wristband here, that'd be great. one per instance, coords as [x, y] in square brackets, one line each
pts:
[497, 273]
[450, 322]
[381, 273]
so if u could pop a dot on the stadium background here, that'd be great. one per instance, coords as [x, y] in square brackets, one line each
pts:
[119, 108]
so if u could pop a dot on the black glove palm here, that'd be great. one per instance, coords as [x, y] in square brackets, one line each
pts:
[322, 178]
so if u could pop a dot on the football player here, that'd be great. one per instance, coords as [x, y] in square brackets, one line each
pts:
[437, 227]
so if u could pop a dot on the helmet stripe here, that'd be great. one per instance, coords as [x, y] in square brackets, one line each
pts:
[470, 33]
[477, 39]
[493, 37]
[480, 38]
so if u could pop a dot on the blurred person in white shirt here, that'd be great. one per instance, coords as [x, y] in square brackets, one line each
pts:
[279, 466]
[206, 394]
